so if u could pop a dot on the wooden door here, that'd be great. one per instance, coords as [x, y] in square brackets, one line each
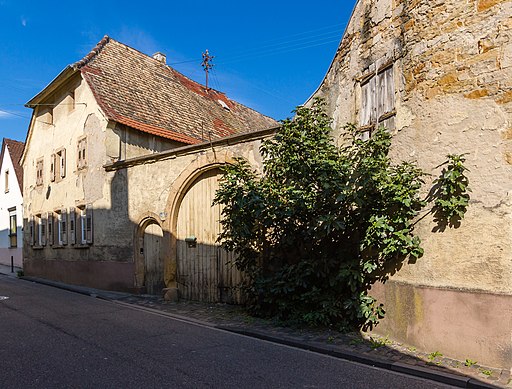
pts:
[153, 260]
[205, 271]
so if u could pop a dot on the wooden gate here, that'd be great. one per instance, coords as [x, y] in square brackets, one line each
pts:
[205, 271]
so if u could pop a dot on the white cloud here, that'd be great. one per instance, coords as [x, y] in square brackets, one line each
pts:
[4, 114]
[24, 21]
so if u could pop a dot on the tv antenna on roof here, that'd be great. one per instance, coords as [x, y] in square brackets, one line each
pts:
[207, 64]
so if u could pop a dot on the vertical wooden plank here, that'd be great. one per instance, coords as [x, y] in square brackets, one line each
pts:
[373, 100]
[381, 94]
[206, 264]
[390, 90]
[364, 114]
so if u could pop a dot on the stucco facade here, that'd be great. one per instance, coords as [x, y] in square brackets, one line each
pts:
[11, 207]
[441, 72]
[96, 216]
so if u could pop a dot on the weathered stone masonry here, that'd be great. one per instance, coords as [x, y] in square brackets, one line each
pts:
[452, 72]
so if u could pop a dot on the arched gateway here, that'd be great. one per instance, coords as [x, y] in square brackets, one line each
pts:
[199, 267]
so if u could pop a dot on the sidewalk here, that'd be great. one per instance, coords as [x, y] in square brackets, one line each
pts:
[6, 270]
[379, 352]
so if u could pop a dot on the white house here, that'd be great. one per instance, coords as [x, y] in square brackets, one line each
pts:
[11, 203]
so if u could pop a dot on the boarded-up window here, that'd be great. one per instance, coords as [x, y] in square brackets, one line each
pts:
[377, 101]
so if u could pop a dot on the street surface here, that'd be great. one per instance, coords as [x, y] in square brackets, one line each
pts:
[51, 338]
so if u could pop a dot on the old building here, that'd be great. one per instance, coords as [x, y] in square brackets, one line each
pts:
[438, 75]
[92, 221]
[11, 203]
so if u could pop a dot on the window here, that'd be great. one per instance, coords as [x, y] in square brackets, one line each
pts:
[50, 229]
[39, 171]
[13, 228]
[58, 165]
[37, 231]
[84, 223]
[61, 227]
[81, 152]
[377, 100]
[72, 226]
[6, 180]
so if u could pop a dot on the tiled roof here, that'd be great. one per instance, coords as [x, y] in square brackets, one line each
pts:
[15, 150]
[144, 93]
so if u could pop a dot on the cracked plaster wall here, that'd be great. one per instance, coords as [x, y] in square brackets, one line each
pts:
[453, 93]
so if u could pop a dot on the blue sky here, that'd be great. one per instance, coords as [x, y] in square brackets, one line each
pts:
[269, 55]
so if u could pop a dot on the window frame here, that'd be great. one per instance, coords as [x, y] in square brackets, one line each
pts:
[13, 228]
[6, 181]
[81, 160]
[40, 171]
[84, 226]
[378, 89]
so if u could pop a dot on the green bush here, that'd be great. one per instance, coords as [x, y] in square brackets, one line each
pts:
[322, 224]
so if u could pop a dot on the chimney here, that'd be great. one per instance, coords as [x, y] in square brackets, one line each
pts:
[160, 57]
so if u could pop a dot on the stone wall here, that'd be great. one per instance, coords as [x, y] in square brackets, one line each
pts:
[452, 67]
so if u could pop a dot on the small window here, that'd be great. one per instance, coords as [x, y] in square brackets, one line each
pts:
[84, 223]
[39, 171]
[13, 228]
[6, 181]
[72, 226]
[81, 153]
[61, 227]
[377, 101]
[50, 229]
[40, 230]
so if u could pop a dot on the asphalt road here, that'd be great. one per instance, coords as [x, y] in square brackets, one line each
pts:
[51, 338]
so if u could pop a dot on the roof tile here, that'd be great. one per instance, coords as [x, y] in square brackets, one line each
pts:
[144, 93]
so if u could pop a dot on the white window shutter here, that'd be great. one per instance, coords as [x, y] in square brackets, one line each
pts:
[88, 224]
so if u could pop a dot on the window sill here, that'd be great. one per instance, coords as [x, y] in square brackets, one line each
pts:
[58, 246]
[82, 246]
[37, 247]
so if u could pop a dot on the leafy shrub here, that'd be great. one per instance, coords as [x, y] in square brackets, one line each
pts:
[323, 223]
